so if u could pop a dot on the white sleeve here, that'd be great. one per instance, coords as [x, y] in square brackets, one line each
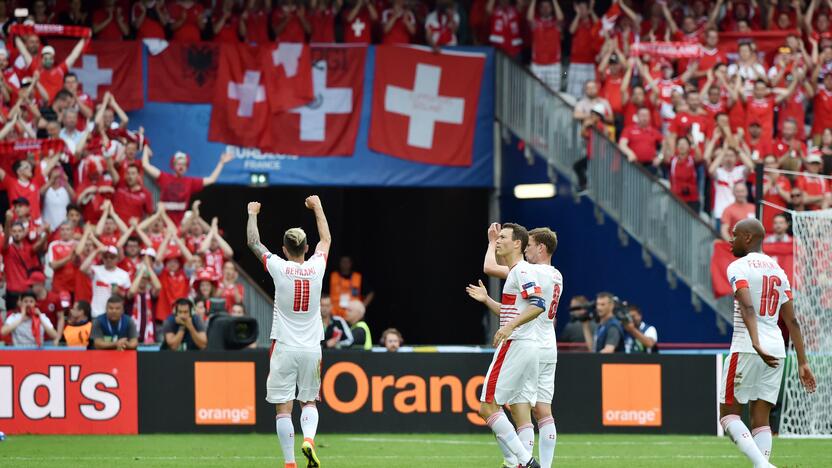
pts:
[652, 333]
[737, 276]
[272, 263]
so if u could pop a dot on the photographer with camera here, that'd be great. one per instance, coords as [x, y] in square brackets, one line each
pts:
[573, 332]
[641, 337]
[609, 336]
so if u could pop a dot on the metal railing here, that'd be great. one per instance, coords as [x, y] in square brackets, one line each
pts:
[256, 300]
[640, 204]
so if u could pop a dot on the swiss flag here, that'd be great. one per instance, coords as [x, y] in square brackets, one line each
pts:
[288, 75]
[183, 72]
[329, 124]
[425, 104]
[108, 66]
[240, 111]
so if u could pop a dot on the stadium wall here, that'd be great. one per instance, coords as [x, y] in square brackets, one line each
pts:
[77, 392]
[592, 258]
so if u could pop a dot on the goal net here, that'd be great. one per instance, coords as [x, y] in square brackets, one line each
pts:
[804, 414]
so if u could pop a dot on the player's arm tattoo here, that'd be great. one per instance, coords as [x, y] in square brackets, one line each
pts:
[253, 237]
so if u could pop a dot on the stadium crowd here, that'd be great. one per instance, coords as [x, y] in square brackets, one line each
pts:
[703, 112]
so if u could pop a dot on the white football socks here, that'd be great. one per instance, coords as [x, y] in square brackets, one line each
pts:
[735, 428]
[309, 421]
[498, 422]
[508, 456]
[286, 435]
[526, 435]
[548, 437]
[762, 437]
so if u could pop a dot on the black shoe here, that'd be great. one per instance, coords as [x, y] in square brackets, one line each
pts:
[532, 464]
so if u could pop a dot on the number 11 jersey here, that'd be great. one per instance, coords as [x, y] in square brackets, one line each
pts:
[296, 319]
[770, 289]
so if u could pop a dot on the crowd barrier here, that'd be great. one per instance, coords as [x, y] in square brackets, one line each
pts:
[110, 392]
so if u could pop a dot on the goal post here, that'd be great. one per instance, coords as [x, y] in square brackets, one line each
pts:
[803, 414]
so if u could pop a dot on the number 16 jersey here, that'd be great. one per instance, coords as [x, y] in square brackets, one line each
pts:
[296, 319]
[770, 289]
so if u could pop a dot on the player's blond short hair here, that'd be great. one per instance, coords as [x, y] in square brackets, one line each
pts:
[295, 241]
[545, 236]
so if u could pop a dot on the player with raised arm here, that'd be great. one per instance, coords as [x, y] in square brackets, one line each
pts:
[754, 373]
[512, 376]
[297, 330]
[542, 244]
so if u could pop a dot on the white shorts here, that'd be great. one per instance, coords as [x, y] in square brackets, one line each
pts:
[293, 375]
[546, 382]
[746, 377]
[512, 375]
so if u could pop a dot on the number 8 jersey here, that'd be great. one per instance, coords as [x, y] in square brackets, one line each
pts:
[769, 288]
[296, 320]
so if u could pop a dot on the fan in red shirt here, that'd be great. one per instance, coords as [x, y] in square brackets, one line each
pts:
[682, 174]
[399, 24]
[149, 18]
[254, 23]
[759, 144]
[776, 190]
[789, 143]
[177, 188]
[226, 23]
[290, 22]
[759, 107]
[61, 256]
[611, 73]
[712, 99]
[133, 201]
[816, 191]
[688, 33]
[51, 73]
[739, 15]
[322, 21]
[822, 106]
[229, 287]
[25, 183]
[187, 20]
[109, 23]
[692, 121]
[504, 33]
[546, 21]
[51, 302]
[175, 283]
[214, 249]
[711, 55]
[20, 256]
[359, 18]
[641, 141]
[794, 108]
[583, 49]
[817, 28]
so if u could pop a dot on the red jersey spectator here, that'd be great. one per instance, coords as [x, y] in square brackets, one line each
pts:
[51, 74]
[149, 19]
[359, 18]
[290, 23]
[817, 28]
[60, 256]
[229, 287]
[759, 144]
[254, 23]
[109, 23]
[711, 55]
[582, 53]
[683, 182]
[611, 73]
[789, 143]
[133, 201]
[226, 28]
[214, 249]
[134, 255]
[822, 105]
[50, 302]
[174, 281]
[736, 212]
[816, 192]
[504, 32]
[641, 141]
[25, 183]
[177, 188]
[546, 22]
[187, 20]
[692, 121]
[322, 20]
[20, 258]
[441, 25]
[760, 106]
[142, 297]
[739, 16]
[399, 24]
[776, 190]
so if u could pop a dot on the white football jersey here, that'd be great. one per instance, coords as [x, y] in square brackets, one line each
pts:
[769, 288]
[296, 320]
[521, 283]
[551, 285]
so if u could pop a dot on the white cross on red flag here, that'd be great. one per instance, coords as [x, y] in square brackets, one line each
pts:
[425, 104]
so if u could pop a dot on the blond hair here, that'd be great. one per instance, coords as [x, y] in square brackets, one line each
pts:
[295, 241]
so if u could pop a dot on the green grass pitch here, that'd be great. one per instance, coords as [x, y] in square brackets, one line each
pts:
[391, 450]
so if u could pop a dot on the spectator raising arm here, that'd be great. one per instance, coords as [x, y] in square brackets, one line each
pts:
[314, 204]
[224, 159]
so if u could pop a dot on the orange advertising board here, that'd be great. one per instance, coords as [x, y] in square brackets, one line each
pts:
[631, 395]
[224, 393]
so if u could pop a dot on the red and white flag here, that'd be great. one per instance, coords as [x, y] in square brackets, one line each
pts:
[240, 110]
[327, 126]
[108, 66]
[287, 74]
[425, 104]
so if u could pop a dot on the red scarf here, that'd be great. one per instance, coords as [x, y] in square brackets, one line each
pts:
[36, 328]
[49, 30]
[143, 316]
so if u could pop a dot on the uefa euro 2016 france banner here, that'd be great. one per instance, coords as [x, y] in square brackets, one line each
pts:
[399, 116]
